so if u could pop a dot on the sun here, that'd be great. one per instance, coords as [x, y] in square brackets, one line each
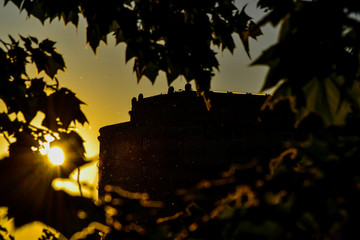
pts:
[56, 156]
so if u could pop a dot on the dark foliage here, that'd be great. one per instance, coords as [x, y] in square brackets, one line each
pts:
[25, 175]
[176, 37]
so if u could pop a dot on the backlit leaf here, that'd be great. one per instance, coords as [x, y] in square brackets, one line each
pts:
[323, 98]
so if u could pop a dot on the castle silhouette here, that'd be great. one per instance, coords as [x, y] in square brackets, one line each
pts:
[173, 141]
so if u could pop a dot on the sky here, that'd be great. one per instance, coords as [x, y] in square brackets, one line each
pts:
[106, 84]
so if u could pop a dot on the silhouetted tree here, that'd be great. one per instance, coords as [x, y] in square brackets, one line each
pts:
[25, 178]
[175, 37]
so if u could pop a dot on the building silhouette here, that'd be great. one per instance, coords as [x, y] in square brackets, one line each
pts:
[173, 141]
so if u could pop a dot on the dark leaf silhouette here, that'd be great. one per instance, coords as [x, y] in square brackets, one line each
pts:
[26, 175]
[47, 59]
[62, 108]
[188, 31]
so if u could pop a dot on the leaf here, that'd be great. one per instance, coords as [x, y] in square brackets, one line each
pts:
[38, 10]
[53, 64]
[30, 109]
[172, 71]
[270, 58]
[13, 42]
[151, 71]
[39, 58]
[47, 45]
[71, 16]
[323, 98]
[63, 108]
[47, 59]
[244, 36]
[119, 35]
[6, 125]
[223, 31]
[279, 10]
[243, 17]
[59, 61]
[34, 39]
[93, 36]
[131, 51]
[246, 28]
[254, 30]
[17, 58]
[5, 122]
[27, 43]
[37, 87]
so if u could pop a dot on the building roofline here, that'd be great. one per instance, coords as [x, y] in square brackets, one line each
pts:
[114, 125]
[211, 92]
[179, 93]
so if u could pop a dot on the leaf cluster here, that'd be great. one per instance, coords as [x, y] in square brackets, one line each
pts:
[175, 37]
[24, 96]
[25, 175]
[316, 59]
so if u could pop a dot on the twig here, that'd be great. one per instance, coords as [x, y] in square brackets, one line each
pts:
[5, 44]
[78, 181]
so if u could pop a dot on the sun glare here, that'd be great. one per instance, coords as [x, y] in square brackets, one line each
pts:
[56, 156]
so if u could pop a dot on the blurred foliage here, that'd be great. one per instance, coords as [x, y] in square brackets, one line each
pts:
[310, 191]
[316, 59]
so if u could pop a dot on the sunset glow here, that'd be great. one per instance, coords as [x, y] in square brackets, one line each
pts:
[56, 156]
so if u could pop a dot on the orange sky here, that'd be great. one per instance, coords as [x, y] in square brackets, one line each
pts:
[107, 85]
